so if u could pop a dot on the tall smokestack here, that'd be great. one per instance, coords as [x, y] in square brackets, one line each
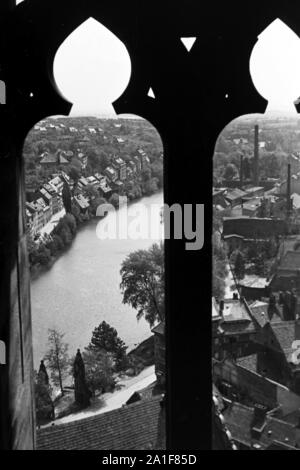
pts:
[241, 171]
[256, 156]
[288, 190]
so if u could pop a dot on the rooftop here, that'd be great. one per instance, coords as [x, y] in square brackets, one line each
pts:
[253, 281]
[296, 200]
[133, 427]
[235, 310]
[260, 312]
[254, 189]
[291, 260]
[235, 194]
[159, 329]
[236, 317]
[286, 332]
[248, 362]
[240, 420]
[82, 201]
[253, 227]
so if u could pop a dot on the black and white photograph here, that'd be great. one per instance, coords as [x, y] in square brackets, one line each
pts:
[149, 229]
[256, 260]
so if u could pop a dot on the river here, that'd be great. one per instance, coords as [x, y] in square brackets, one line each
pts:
[82, 288]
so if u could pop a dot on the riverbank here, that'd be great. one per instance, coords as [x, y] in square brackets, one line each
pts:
[38, 269]
[82, 288]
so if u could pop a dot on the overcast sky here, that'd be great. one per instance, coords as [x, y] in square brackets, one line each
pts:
[275, 66]
[92, 68]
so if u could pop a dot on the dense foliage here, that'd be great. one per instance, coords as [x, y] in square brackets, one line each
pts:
[142, 274]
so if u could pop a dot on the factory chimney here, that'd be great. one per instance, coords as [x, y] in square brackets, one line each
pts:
[288, 191]
[256, 156]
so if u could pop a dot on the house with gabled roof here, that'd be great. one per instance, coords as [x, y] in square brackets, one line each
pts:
[234, 330]
[278, 358]
[52, 160]
[111, 173]
[82, 203]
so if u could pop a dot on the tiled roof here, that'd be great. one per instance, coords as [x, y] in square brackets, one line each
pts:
[291, 260]
[254, 189]
[133, 427]
[82, 201]
[235, 310]
[236, 317]
[253, 227]
[159, 329]
[259, 311]
[142, 394]
[235, 194]
[285, 333]
[49, 158]
[253, 281]
[248, 362]
[239, 419]
[63, 160]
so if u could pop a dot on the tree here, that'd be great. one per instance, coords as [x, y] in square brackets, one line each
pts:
[75, 173]
[239, 265]
[91, 192]
[82, 392]
[114, 200]
[246, 168]
[259, 265]
[95, 203]
[98, 370]
[219, 272]
[150, 186]
[57, 357]
[66, 197]
[44, 405]
[146, 174]
[221, 145]
[230, 171]
[66, 235]
[43, 255]
[71, 223]
[105, 338]
[142, 285]
[157, 169]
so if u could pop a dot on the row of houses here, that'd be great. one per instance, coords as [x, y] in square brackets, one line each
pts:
[48, 200]
[47, 203]
[62, 158]
[73, 131]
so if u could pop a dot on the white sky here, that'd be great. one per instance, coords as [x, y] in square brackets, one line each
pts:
[275, 66]
[92, 68]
